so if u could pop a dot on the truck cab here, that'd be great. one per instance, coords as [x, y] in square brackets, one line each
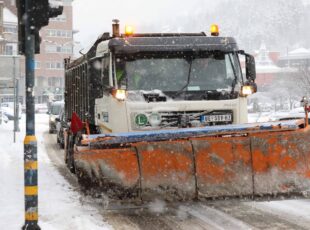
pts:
[140, 82]
[170, 81]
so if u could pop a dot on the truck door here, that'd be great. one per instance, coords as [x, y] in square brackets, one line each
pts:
[102, 104]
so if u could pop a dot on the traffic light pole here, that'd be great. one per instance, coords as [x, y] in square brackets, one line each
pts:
[30, 142]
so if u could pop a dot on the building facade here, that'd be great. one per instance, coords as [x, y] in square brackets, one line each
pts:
[9, 60]
[56, 44]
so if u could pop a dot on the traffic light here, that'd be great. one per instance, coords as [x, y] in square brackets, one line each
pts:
[20, 5]
[36, 16]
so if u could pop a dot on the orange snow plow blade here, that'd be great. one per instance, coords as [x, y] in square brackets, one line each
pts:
[230, 161]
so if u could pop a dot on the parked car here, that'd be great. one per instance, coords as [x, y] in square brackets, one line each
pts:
[54, 113]
[61, 126]
[7, 109]
[297, 113]
[0, 116]
[41, 108]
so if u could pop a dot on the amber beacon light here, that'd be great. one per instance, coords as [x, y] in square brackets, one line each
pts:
[129, 30]
[215, 30]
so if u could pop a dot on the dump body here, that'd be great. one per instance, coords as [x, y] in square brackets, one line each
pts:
[228, 161]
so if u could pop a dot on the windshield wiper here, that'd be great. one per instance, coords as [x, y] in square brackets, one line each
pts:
[188, 80]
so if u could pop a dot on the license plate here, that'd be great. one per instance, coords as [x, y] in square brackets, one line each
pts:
[217, 118]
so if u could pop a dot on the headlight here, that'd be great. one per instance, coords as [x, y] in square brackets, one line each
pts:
[52, 119]
[247, 90]
[155, 119]
[119, 94]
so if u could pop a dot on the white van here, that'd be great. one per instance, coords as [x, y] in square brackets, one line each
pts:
[54, 111]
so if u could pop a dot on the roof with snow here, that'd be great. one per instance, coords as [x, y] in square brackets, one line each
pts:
[295, 57]
[264, 64]
[299, 52]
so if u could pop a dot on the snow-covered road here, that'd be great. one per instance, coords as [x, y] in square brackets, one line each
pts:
[59, 205]
[63, 206]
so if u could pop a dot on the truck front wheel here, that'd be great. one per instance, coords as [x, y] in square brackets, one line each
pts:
[69, 158]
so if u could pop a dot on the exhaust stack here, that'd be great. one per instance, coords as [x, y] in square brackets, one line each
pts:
[115, 28]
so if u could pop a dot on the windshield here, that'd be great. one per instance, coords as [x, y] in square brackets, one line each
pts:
[55, 109]
[212, 71]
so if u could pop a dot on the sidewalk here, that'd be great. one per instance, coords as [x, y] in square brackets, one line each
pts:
[59, 206]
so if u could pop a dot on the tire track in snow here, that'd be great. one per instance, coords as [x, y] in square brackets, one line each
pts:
[215, 218]
[247, 212]
[56, 155]
[296, 212]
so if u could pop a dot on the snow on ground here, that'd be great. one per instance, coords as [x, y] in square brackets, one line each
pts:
[273, 116]
[295, 211]
[59, 206]
[215, 219]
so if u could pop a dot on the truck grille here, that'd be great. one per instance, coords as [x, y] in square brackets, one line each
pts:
[189, 118]
[169, 117]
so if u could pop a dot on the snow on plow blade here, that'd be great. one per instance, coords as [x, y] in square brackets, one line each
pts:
[223, 161]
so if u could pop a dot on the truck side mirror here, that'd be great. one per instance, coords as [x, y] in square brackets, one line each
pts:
[250, 67]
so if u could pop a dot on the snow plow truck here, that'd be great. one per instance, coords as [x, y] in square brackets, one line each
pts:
[165, 115]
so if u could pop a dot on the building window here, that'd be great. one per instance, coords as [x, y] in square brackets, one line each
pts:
[55, 65]
[8, 50]
[66, 49]
[55, 82]
[41, 82]
[59, 33]
[50, 48]
[60, 18]
[10, 29]
[37, 65]
[58, 49]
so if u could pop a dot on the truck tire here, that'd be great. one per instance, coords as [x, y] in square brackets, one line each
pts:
[62, 144]
[69, 154]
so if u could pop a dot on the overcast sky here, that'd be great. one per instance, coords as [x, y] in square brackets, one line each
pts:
[93, 17]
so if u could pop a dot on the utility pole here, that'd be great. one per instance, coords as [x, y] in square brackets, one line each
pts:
[32, 15]
[16, 100]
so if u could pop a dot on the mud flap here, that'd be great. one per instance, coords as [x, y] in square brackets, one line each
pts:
[223, 167]
[281, 163]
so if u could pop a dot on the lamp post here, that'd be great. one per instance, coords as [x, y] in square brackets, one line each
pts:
[32, 16]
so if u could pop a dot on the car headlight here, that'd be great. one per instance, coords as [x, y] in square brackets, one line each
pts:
[52, 119]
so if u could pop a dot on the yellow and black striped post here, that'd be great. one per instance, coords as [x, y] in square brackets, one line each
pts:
[31, 183]
[30, 142]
